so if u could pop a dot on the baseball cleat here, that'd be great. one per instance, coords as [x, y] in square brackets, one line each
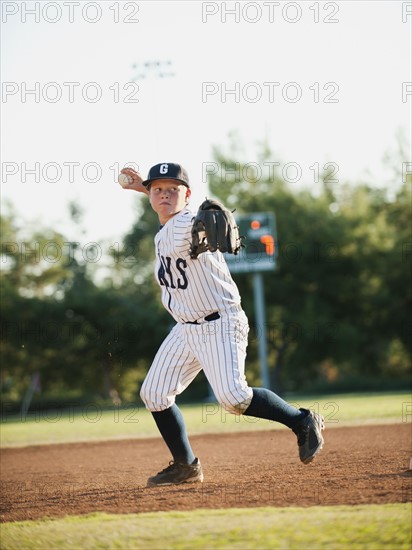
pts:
[309, 432]
[177, 473]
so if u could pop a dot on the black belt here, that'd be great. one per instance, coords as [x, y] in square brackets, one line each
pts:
[212, 317]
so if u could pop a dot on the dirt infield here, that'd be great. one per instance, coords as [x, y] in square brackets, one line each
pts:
[358, 465]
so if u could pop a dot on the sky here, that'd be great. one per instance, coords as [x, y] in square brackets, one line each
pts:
[322, 82]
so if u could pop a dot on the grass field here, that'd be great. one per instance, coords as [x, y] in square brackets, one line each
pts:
[91, 423]
[335, 527]
[339, 527]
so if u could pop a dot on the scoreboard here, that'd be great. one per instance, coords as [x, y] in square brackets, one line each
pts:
[260, 246]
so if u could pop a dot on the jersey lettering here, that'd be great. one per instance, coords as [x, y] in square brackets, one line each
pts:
[181, 265]
[166, 262]
[165, 275]
[161, 275]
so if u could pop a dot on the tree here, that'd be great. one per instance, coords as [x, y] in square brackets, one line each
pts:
[340, 280]
[81, 336]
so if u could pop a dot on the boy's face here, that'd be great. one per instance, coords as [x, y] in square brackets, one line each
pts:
[168, 197]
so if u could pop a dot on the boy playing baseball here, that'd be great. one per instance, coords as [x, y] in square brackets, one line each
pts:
[210, 333]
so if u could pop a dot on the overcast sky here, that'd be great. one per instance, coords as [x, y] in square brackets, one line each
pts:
[322, 81]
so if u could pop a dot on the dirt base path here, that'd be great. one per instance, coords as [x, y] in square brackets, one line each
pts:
[358, 465]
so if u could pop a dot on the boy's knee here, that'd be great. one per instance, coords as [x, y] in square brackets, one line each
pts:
[148, 398]
[235, 406]
[143, 394]
[153, 401]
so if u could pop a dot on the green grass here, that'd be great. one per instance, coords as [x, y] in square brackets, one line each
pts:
[339, 527]
[91, 423]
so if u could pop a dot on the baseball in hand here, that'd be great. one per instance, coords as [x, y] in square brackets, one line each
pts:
[124, 180]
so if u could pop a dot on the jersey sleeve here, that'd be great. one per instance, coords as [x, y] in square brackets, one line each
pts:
[183, 233]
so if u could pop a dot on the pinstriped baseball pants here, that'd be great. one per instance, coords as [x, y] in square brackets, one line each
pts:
[218, 347]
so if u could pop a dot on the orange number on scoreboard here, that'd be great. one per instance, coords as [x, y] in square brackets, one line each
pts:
[269, 243]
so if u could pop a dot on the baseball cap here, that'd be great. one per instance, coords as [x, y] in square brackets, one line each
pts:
[167, 171]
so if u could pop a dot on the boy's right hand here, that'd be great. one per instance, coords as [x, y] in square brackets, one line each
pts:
[136, 183]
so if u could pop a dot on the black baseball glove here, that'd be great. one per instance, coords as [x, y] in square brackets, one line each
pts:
[214, 228]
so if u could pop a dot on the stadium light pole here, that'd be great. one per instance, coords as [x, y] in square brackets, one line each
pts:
[153, 71]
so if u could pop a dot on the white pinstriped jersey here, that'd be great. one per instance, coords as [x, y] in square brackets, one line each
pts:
[191, 289]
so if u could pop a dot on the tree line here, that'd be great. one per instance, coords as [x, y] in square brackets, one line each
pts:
[87, 325]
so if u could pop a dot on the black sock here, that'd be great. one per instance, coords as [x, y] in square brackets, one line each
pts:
[171, 425]
[266, 404]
